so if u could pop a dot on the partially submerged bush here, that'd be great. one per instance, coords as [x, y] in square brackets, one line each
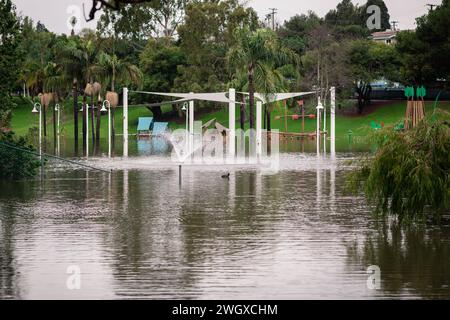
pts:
[408, 176]
[16, 157]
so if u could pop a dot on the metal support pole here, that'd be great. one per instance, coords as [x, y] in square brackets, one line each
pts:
[258, 129]
[232, 124]
[109, 130]
[58, 140]
[191, 127]
[125, 122]
[40, 133]
[333, 122]
[87, 130]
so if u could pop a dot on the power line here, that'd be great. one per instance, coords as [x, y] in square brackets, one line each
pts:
[45, 155]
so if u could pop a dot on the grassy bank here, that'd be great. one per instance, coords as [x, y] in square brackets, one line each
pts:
[389, 113]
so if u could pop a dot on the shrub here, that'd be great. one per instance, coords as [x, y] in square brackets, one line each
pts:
[408, 176]
[17, 158]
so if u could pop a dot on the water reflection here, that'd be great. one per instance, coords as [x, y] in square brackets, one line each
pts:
[414, 260]
[137, 233]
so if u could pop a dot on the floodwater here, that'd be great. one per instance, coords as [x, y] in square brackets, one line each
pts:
[138, 233]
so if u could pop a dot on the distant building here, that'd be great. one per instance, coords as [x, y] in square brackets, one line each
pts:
[387, 37]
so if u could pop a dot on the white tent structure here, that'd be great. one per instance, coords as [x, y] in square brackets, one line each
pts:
[221, 97]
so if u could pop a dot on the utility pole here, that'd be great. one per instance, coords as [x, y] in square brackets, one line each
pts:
[274, 11]
[431, 6]
[394, 25]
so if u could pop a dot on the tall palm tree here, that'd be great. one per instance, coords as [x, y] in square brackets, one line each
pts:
[72, 59]
[259, 53]
[115, 70]
[75, 56]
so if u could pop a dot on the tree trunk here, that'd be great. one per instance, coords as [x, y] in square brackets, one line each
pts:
[269, 122]
[251, 90]
[75, 113]
[157, 113]
[265, 117]
[242, 119]
[360, 92]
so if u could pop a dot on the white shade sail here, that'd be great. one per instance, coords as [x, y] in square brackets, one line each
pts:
[274, 97]
[213, 97]
[222, 96]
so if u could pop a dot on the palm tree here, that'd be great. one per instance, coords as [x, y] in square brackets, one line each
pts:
[76, 56]
[116, 70]
[258, 54]
[72, 59]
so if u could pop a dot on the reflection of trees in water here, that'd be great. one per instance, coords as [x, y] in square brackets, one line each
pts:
[145, 237]
[8, 270]
[410, 258]
[12, 192]
[221, 211]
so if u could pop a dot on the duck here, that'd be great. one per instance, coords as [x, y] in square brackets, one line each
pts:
[226, 176]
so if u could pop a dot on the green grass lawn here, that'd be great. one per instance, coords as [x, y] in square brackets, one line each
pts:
[390, 114]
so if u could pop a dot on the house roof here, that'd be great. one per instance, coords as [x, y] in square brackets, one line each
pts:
[384, 35]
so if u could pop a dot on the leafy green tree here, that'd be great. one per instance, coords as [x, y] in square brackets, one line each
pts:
[75, 56]
[113, 70]
[160, 60]
[345, 14]
[385, 16]
[434, 29]
[369, 61]
[259, 53]
[145, 20]
[416, 66]
[10, 58]
[17, 160]
[205, 37]
[295, 33]
[425, 52]
[349, 20]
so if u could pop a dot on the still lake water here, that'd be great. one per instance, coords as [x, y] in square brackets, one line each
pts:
[139, 234]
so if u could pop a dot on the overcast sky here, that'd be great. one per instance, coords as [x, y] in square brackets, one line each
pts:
[55, 13]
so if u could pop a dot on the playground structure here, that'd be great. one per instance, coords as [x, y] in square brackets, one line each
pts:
[230, 99]
[415, 109]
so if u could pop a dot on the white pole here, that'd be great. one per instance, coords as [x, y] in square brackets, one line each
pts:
[191, 126]
[187, 131]
[87, 130]
[125, 122]
[258, 129]
[319, 110]
[333, 122]
[40, 133]
[109, 129]
[58, 126]
[232, 125]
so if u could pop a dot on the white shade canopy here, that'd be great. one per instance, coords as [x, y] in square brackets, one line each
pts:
[213, 97]
[274, 97]
[222, 96]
